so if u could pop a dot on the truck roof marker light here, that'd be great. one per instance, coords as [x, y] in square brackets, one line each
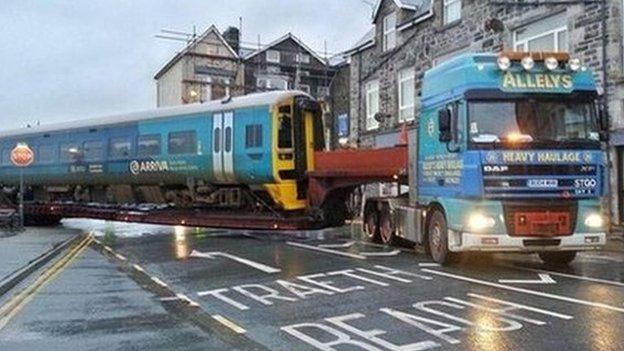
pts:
[574, 64]
[527, 63]
[551, 63]
[504, 63]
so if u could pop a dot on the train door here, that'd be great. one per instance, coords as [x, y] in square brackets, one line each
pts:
[223, 147]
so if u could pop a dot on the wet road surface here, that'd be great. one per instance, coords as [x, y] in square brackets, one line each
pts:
[318, 291]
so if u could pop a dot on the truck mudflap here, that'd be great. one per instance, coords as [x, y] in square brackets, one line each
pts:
[462, 242]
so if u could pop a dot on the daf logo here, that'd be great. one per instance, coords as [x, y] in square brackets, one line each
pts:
[495, 169]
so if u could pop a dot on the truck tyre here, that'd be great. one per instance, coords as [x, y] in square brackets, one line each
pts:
[371, 223]
[557, 258]
[387, 229]
[437, 239]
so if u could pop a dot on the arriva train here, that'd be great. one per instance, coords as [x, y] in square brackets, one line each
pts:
[249, 152]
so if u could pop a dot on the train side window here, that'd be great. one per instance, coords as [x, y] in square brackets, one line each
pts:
[69, 152]
[93, 150]
[285, 139]
[228, 139]
[181, 143]
[253, 136]
[120, 148]
[217, 140]
[6, 157]
[149, 145]
[46, 154]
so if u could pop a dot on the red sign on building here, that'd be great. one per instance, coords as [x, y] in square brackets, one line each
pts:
[22, 155]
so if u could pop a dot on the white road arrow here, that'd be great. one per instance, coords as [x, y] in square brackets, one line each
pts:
[544, 278]
[250, 263]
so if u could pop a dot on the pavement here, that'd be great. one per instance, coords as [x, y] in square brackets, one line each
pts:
[324, 290]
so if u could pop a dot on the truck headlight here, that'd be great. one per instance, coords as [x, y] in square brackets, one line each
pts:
[594, 220]
[478, 222]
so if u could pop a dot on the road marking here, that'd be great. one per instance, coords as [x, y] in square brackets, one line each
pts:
[573, 276]
[138, 268]
[513, 306]
[169, 298]
[544, 278]
[524, 291]
[188, 300]
[259, 266]
[16, 303]
[320, 249]
[381, 254]
[429, 264]
[159, 282]
[121, 257]
[338, 246]
[228, 323]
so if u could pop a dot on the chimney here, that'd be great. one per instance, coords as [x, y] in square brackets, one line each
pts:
[232, 37]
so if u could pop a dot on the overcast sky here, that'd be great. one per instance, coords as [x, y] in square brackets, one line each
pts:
[64, 60]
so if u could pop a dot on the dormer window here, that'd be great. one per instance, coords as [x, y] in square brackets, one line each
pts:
[273, 56]
[389, 32]
[452, 11]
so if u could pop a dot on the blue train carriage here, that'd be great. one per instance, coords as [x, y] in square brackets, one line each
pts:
[245, 152]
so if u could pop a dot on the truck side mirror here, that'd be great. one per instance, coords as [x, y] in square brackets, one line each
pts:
[444, 125]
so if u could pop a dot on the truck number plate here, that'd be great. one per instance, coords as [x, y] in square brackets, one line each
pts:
[542, 183]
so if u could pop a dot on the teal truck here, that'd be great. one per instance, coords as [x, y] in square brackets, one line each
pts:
[507, 156]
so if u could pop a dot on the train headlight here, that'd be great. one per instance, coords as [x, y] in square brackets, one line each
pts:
[574, 64]
[551, 63]
[478, 222]
[503, 63]
[528, 63]
[594, 220]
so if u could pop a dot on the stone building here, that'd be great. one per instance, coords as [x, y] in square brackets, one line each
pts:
[410, 36]
[208, 68]
[287, 63]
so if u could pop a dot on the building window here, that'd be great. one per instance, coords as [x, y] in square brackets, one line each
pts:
[372, 104]
[389, 32]
[406, 94]
[119, 148]
[273, 56]
[274, 83]
[548, 34]
[452, 11]
[183, 143]
[304, 87]
[93, 150]
[303, 58]
[148, 145]
[253, 136]
[323, 91]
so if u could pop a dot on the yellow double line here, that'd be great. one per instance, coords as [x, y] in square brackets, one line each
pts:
[17, 302]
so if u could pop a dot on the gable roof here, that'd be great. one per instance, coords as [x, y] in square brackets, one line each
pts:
[366, 41]
[402, 4]
[282, 39]
[191, 45]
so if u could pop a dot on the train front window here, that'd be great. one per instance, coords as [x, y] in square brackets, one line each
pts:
[547, 123]
[285, 139]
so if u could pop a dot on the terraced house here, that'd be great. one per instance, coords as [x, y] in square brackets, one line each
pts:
[410, 36]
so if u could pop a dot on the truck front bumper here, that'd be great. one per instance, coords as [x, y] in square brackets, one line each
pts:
[459, 242]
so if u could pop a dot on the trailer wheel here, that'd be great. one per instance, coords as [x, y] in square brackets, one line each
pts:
[557, 258]
[387, 229]
[437, 238]
[371, 223]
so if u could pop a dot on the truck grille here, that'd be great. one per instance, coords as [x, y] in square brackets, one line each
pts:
[541, 218]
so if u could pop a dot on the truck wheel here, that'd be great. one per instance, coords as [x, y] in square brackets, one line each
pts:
[437, 239]
[387, 229]
[557, 258]
[371, 223]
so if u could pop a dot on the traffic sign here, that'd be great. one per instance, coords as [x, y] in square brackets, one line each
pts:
[22, 155]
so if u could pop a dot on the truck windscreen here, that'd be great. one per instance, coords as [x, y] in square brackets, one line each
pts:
[534, 123]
